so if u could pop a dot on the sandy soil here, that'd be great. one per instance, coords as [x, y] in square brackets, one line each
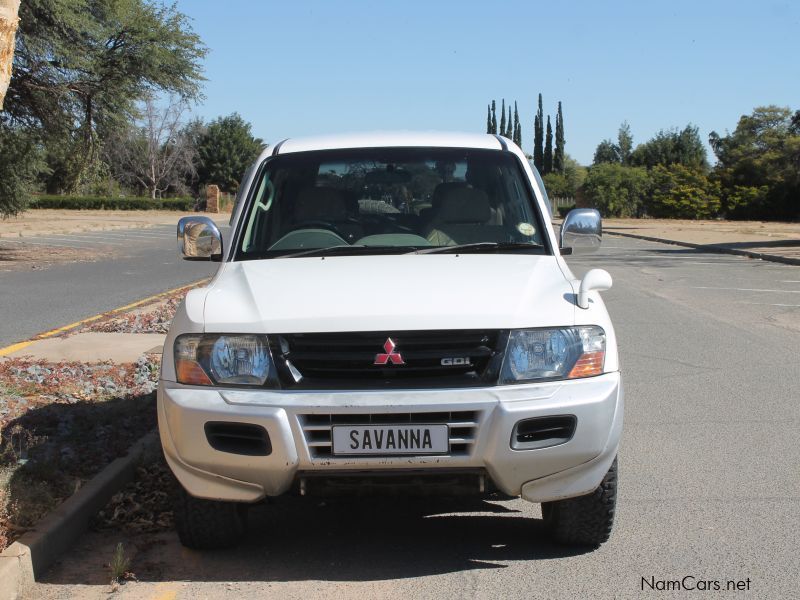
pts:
[46, 221]
[708, 232]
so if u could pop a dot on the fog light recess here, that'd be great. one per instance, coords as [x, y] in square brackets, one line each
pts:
[543, 432]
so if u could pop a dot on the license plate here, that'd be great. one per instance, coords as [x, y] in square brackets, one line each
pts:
[390, 439]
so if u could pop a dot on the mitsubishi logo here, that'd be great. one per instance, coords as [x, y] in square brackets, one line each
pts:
[389, 355]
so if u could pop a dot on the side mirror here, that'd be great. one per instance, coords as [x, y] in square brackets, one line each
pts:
[199, 239]
[581, 231]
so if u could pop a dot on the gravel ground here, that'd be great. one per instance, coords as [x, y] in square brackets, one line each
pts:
[60, 424]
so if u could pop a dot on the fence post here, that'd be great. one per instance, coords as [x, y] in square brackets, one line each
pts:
[212, 198]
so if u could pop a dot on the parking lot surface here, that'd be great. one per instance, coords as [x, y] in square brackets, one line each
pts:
[709, 481]
[127, 264]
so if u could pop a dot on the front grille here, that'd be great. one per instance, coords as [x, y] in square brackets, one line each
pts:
[462, 426]
[449, 358]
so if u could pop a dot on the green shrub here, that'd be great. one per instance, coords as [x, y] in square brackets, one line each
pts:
[616, 190]
[678, 192]
[563, 210]
[104, 203]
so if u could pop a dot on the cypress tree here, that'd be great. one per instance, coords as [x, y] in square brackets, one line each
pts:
[494, 118]
[488, 118]
[509, 133]
[538, 138]
[548, 149]
[503, 118]
[517, 131]
[558, 155]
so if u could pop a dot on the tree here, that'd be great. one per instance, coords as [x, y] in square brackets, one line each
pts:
[548, 149]
[80, 67]
[538, 137]
[494, 119]
[624, 143]
[606, 152]
[9, 21]
[503, 118]
[517, 127]
[669, 147]
[758, 165]
[225, 151]
[509, 131]
[558, 154]
[20, 163]
[154, 152]
[679, 192]
[795, 126]
[488, 119]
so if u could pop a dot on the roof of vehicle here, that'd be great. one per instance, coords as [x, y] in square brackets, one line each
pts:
[383, 139]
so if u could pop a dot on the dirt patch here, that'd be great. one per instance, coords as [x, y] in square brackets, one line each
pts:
[16, 256]
[51, 221]
[708, 232]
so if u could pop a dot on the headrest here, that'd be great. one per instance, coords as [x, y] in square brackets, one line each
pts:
[320, 204]
[459, 203]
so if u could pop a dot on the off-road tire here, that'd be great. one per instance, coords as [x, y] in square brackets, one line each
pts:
[584, 520]
[208, 524]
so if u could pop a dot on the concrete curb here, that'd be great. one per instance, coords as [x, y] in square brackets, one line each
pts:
[716, 248]
[30, 556]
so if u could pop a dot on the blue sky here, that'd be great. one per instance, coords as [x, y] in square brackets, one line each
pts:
[302, 67]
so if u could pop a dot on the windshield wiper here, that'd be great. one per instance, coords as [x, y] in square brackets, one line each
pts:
[345, 249]
[480, 247]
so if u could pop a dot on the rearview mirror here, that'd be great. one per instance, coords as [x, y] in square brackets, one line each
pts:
[199, 239]
[581, 231]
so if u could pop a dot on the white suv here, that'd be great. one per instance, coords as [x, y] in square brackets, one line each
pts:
[392, 313]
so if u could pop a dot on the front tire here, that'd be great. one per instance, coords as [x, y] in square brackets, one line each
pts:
[208, 524]
[585, 520]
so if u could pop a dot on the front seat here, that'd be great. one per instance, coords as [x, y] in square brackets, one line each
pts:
[327, 205]
[460, 216]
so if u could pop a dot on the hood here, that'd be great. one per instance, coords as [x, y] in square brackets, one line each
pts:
[389, 293]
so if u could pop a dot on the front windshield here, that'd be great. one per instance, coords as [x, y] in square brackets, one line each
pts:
[387, 200]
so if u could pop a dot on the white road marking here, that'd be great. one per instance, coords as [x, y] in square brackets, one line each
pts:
[702, 287]
[770, 304]
[79, 240]
[721, 259]
[46, 244]
[788, 281]
[128, 234]
[81, 237]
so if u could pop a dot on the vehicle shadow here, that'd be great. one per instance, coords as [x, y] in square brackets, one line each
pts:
[302, 539]
[50, 450]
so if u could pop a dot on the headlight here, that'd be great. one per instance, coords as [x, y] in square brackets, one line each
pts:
[566, 353]
[222, 359]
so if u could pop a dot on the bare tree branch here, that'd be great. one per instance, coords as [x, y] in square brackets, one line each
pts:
[154, 152]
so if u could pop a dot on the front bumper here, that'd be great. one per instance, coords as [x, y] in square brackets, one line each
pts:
[569, 469]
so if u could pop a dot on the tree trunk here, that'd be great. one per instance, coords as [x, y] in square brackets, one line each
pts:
[9, 9]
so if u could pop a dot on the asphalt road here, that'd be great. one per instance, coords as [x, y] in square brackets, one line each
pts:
[709, 474]
[140, 263]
